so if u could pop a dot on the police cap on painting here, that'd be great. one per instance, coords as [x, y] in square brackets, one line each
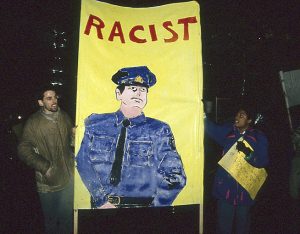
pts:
[140, 76]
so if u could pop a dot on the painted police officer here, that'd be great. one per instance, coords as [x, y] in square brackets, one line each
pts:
[125, 158]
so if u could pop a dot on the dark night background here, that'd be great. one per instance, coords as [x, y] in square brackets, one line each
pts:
[245, 45]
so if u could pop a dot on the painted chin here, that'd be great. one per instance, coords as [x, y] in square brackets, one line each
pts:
[139, 105]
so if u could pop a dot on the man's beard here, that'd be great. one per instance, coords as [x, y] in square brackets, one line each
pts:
[52, 109]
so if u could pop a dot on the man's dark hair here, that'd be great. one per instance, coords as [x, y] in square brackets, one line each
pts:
[121, 87]
[40, 92]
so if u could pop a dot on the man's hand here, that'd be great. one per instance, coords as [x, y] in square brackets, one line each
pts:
[208, 106]
[52, 176]
[49, 172]
[73, 133]
[242, 147]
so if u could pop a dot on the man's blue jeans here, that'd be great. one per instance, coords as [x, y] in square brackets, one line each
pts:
[58, 210]
[232, 217]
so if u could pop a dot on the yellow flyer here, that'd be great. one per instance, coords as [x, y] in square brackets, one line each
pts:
[249, 177]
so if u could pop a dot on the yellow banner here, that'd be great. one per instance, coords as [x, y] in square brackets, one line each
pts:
[249, 177]
[166, 39]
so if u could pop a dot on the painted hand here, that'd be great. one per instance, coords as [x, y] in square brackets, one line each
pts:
[107, 205]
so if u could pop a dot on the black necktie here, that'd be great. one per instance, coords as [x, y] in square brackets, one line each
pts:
[115, 176]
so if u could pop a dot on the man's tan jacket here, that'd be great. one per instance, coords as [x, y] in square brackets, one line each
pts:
[46, 144]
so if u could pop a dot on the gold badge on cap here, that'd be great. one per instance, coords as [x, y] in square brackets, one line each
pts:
[139, 79]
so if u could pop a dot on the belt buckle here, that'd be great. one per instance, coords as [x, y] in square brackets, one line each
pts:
[115, 200]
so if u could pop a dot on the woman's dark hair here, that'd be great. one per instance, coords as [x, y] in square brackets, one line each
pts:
[250, 112]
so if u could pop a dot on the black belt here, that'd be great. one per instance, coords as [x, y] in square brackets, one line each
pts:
[123, 202]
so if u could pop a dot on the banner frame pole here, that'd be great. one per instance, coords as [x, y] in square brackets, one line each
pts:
[75, 225]
[286, 100]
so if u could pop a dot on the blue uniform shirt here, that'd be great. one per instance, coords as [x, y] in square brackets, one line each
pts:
[151, 165]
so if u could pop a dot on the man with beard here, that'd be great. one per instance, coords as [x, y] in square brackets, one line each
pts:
[46, 147]
[127, 159]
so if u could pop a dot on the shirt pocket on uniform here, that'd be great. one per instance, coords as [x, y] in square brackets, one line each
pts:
[140, 153]
[101, 148]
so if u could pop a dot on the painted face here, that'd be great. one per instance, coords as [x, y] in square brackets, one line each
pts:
[49, 102]
[241, 120]
[133, 96]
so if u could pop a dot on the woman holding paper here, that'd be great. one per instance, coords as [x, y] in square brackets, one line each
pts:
[241, 170]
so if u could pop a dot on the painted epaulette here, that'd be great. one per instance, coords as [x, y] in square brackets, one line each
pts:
[92, 120]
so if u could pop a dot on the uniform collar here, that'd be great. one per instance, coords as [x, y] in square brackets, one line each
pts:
[133, 121]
